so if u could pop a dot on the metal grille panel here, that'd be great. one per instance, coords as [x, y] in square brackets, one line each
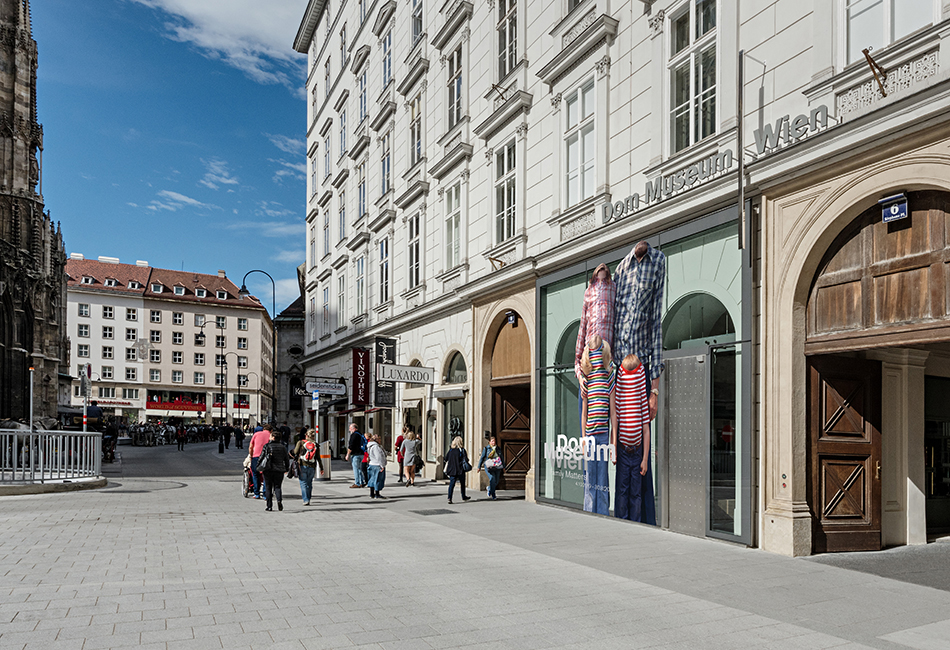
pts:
[686, 434]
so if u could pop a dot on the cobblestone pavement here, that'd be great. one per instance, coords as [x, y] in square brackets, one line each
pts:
[171, 556]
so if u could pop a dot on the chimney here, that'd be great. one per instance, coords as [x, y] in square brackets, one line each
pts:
[108, 260]
[222, 274]
[77, 256]
[141, 263]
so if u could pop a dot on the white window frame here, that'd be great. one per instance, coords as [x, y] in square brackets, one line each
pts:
[131, 374]
[221, 295]
[178, 338]
[453, 222]
[199, 378]
[131, 334]
[242, 343]
[178, 376]
[108, 312]
[415, 130]
[454, 87]
[221, 322]
[108, 352]
[362, 96]
[416, 20]
[414, 245]
[155, 356]
[361, 189]
[341, 217]
[108, 332]
[130, 393]
[387, 60]
[313, 245]
[326, 79]
[340, 300]
[506, 31]
[383, 266]
[220, 341]
[179, 291]
[107, 372]
[82, 350]
[506, 191]
[242, 324]
[690, 56]
[887, 35]
[360, 272]
[155, 316]
[83, 309]
[156, 287]
[385, 164]
[580, 180]
[154, 374]
[131, 354]
[199, 358]
[241, 362]
[155, 336]
[131, 313]
[325, 310]
[178, 357]
[82, 330]
[178, 318]
[327, 157]
[326, 233]
[342, 133]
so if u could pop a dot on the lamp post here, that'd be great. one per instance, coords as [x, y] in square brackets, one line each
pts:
[243, 293]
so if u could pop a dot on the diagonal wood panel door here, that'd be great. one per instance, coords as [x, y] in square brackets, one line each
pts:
[844, 435]
[512, 424]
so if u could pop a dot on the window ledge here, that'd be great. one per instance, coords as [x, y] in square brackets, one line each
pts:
[507, 252]
[577, 43]
[417, 188]
[518, 103]
[340, 329]
[383, 306]
[413, 293]
[384, 218]
[460, 12]
[359, 318]
[357, 240]
[461, 151]
[417, 70]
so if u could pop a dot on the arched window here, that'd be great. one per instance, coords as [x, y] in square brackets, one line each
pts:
[455, 371]
[697, 319]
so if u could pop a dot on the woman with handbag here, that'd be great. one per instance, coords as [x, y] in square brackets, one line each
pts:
[377, 467]
[456, 465]
[493, 463]
[307, 454]
[410, 452]
[273, 462]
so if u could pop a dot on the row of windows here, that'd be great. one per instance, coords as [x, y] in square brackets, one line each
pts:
[155, 316]
[155, 336]
[155, 375]
[131, 354]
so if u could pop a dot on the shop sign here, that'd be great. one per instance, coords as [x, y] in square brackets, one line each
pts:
[768, 139]
[108, 402]
[326, 387]
[789, 131]
[385, 354]
[176, 406]
[407, 374]
[664, 187]
[360, 376]
[894, 207]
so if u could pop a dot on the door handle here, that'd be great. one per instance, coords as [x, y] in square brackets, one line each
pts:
[877, 472]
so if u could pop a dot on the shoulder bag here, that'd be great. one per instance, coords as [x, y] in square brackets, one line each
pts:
[466, 464]
[264, 460]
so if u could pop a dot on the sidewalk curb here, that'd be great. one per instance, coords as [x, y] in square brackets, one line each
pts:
[48, 488]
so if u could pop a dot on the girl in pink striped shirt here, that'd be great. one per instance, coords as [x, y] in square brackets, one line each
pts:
[630, 435]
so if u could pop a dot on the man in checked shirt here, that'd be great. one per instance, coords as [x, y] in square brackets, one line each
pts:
[638, 329]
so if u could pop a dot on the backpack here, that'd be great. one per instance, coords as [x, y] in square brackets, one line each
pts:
[310, 455]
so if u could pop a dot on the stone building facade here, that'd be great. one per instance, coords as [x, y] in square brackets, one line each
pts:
[471, 164]
[32, 257]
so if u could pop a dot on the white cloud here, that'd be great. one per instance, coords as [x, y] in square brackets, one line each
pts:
[273, 209]
[291, 170]
[271, 228]
[291, 257]
[287, 144]
[253, 36]
[173, 202]
[217, 174]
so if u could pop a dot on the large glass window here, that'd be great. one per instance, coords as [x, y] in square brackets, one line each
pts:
[361, 190]
[360, 284]
[384, 270]
[580, 147]
[505, 193]
[878, 23]
[415, 251]
[692, 68]
[385, 165]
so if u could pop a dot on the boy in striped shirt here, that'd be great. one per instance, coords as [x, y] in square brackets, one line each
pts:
[630, 435]
[597, 408]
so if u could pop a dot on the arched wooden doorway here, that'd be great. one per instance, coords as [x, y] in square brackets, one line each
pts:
[511, 399]
[880, 286]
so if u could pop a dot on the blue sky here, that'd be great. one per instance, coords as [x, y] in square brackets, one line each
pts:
[174, 132]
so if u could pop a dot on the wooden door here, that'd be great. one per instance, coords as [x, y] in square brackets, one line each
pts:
[844, 434]
[511, 423]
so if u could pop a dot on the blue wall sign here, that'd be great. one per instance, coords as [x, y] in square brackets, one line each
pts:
[894, 207]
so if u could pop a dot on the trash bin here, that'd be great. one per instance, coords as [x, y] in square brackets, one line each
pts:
[325, 460]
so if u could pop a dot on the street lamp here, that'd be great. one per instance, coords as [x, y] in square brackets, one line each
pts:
[243, 293]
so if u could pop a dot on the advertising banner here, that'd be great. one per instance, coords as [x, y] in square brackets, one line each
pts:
[360, 376]
[386, 354]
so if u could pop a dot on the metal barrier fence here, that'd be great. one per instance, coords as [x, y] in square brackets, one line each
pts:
[47, 456]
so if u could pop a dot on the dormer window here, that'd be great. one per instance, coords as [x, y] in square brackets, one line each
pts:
[201, 293]
[156, 288]
[110, 282]
[179, 291]
[134, 284]
[88, 280]
[222, 295]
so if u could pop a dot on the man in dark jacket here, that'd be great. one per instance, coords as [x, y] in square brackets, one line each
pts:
[355, 448]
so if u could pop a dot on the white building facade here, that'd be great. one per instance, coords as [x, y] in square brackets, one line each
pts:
[168, 345]
[472, 163]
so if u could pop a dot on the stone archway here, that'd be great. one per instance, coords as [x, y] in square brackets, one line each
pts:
[799, 224]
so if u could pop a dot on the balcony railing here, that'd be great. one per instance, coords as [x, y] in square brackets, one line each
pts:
[49, 456]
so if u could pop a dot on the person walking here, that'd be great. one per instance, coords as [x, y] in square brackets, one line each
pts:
[260, 438]
[377, 467]
[180, 436]
[307, 453]
[355, 448]
[493, 464]
[399, 455]
[409, 450]
[239, 437]
[278, 460]
[456, 462]
[228, 432]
